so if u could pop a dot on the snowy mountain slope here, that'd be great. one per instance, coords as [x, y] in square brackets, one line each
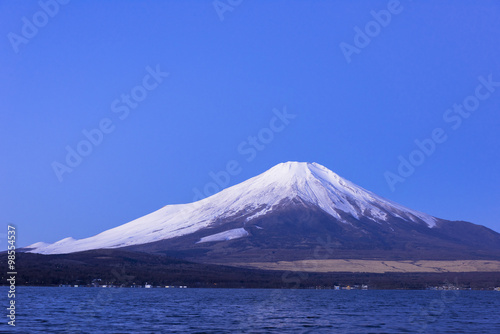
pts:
[254, 198]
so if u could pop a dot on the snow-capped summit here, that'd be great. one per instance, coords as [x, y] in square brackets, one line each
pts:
[292, 182]
[320, 186]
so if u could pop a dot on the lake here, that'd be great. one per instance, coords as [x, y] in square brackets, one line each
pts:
[127, 310]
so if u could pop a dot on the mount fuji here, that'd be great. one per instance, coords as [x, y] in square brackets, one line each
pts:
[288, 213]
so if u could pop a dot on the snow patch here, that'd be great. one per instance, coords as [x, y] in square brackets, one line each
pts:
[224, 236]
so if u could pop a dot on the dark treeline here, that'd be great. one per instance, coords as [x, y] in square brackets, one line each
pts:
[120, 268]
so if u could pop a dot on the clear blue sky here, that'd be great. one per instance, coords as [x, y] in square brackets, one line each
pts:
[225, 77]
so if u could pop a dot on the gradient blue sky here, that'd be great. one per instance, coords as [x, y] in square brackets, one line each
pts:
[225, 79]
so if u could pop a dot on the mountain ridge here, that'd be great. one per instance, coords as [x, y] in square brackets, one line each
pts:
[302, 199]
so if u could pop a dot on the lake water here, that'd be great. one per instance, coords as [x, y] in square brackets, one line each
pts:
[125, 310]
